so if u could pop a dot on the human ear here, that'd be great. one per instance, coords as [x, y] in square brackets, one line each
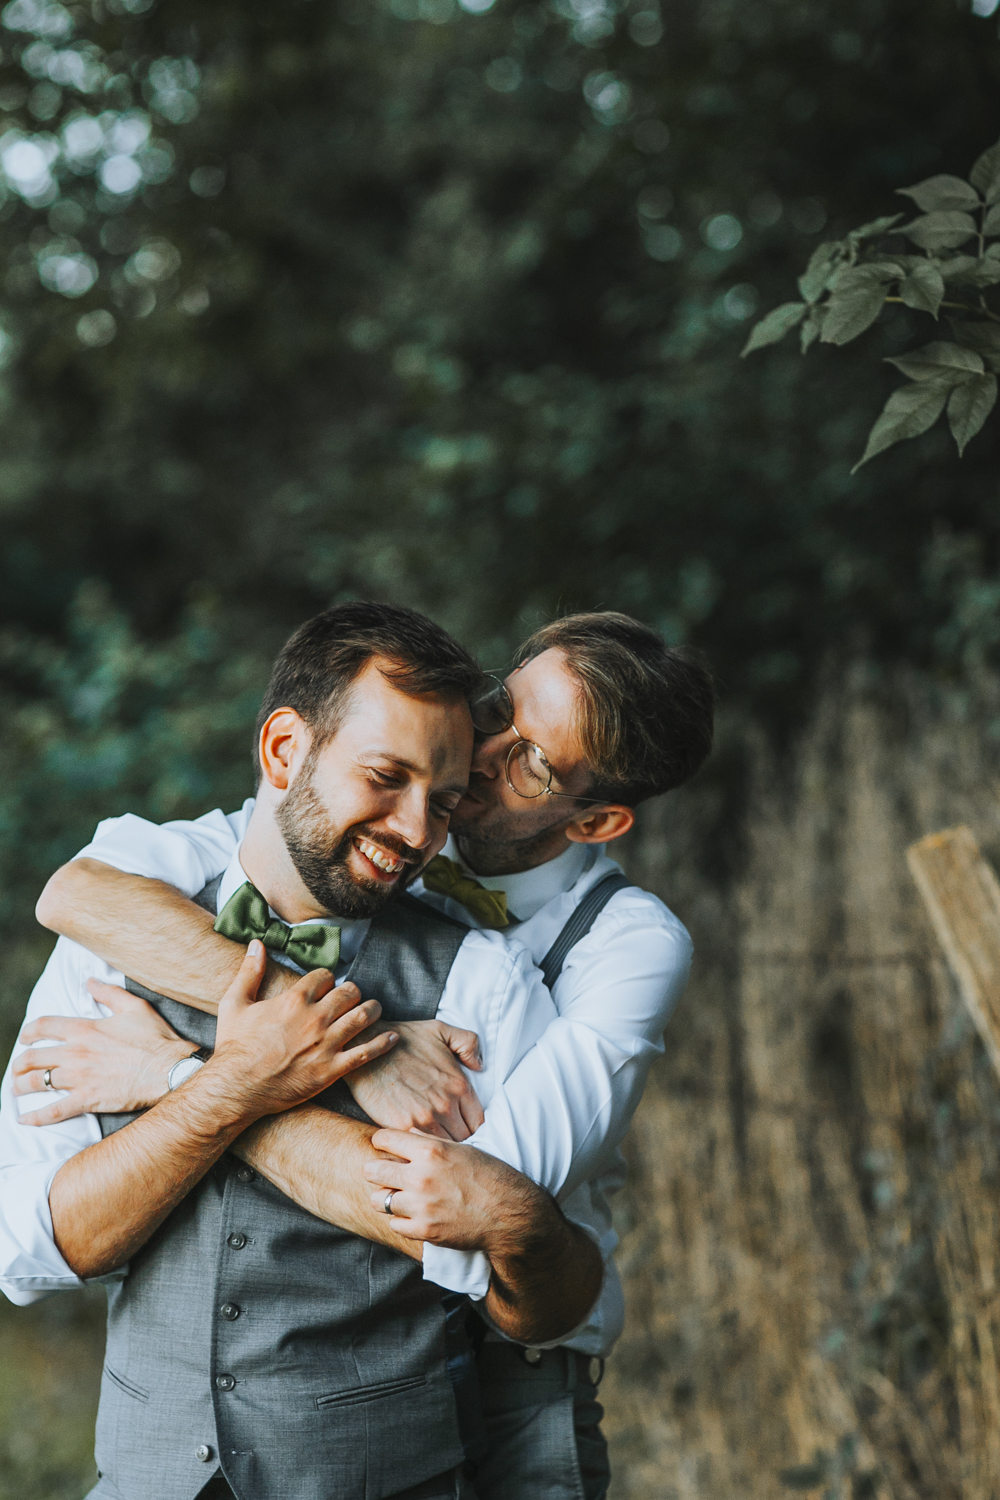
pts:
[284, 742]
[601, 826]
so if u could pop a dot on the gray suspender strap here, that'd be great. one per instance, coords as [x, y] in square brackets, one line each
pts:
[580, 924]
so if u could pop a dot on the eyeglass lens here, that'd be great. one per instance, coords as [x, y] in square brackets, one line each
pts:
[528, 772]
[491, 708]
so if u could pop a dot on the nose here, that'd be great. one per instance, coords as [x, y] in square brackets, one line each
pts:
[488, 754]
[410, 819]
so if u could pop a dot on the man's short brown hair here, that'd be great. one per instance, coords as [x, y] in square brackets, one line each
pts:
[317, 666]
[646, 709]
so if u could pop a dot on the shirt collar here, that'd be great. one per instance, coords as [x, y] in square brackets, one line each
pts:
[351, 932]
[528, 891]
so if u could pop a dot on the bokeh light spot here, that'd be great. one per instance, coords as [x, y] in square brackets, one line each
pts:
[663, 242]
[504, 75]
[645, 28]
[207, 182]
[722, 232]
[740, 302]
[96, 328]
[120, 174]
[71, 273]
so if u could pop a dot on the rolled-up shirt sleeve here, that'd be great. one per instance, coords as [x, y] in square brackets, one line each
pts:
[183, 854]
[567, 1101]
[31, 1266]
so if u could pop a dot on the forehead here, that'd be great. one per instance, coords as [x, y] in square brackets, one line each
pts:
[546, 698]
[431, 734]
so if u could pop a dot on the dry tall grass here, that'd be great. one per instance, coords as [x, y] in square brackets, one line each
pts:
[810, 1241]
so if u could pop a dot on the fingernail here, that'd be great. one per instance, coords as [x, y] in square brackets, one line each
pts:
[393, 1037]
[256, 948]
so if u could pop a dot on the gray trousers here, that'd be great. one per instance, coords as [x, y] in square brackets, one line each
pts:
[450, 1486]
[543, 1425]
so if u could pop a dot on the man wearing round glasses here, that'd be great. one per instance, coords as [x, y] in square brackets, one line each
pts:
[598, 716]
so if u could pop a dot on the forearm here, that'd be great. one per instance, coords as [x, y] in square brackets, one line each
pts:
[546, 1272]
[317, 1158]
[107, 1201]
[149, 931]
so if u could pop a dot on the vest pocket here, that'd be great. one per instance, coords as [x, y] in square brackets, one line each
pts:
[370, 1392]
[135, 1391]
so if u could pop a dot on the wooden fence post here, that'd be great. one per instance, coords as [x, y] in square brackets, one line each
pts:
[962, 895]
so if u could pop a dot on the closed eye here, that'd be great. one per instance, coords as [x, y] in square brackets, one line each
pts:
[384, 778]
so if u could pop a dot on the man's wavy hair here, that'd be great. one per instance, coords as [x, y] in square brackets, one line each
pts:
[647, 709]
[317, 667]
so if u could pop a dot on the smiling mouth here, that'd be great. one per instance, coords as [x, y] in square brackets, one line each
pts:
[387, 865]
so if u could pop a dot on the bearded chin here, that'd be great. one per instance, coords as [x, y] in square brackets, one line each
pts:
[320, 858]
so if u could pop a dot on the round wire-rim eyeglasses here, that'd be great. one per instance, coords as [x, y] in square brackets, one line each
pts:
[492, 711]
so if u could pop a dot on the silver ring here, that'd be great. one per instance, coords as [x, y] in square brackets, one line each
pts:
[387, 1205]
[47, 1078]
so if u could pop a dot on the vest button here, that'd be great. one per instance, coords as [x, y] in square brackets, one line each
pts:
[245, 1174]
[532, 1356]
[203, 1453]
[236, 1241]
[225, 1383]
[229, 1311]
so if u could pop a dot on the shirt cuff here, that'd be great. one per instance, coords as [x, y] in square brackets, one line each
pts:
[466, 1271]
[30, 1263]
[24, 1290]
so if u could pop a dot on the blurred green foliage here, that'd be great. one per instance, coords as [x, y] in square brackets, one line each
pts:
[49, 1385]
[443, 305]
[401, 300]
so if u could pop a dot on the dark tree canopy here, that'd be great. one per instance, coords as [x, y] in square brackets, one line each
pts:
[326, 300]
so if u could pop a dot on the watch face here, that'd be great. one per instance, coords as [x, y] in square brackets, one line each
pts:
[182, 1071]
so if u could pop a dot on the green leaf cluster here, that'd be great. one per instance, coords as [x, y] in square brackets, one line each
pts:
[849, 282]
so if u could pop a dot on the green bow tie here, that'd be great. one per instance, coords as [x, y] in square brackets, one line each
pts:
[313, 945]
[447, 878]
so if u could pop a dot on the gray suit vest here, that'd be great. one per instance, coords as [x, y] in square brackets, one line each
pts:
[311, 1363]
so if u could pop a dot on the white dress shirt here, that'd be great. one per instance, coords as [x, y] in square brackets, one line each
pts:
[563, 1074]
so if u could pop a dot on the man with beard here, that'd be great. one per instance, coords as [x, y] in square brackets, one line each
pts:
[598, 716]
[246, 1336]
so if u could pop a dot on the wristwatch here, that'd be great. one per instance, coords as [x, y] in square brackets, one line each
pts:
[187, 1067]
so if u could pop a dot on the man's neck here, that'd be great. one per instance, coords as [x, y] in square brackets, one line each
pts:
[266, 861]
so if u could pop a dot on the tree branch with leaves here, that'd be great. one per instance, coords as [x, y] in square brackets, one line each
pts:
[849, 282]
